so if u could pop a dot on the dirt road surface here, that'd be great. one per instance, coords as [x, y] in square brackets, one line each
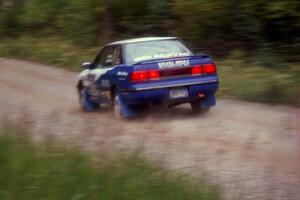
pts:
[251, 149]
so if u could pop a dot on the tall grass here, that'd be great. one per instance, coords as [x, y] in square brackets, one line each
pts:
[52, 51]
[247, 78]
[50, 171]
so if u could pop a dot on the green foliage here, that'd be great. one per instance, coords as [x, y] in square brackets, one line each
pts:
[259, 39]
[77, 20]
[211, 26]
[50, 171]
[140, 17]
[227, 25]
[10, 17]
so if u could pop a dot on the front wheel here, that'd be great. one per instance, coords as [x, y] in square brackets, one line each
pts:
[197, 108]
[85, 102]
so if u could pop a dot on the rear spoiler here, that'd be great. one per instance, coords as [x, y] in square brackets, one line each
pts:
[169, 59]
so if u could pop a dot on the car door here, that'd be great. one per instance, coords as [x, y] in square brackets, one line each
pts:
[100, 73]
[103, 63]
[109, 77]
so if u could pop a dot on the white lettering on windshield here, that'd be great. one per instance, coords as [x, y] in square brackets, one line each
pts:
[161, 55]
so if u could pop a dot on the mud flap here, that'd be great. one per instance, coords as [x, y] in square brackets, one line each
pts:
[208, 102]
[126, 110]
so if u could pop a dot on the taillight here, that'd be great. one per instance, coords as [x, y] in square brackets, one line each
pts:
[139, 76]
[204, 69]
[196, 70]
[153, 74]
[209, 68]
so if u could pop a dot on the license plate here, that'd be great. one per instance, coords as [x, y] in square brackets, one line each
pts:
[176, 93]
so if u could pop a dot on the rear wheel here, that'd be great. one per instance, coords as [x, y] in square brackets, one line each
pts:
[121, 109]
[117, 107]
[197, 108]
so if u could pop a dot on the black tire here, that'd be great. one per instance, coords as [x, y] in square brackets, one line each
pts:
[85, 102]
[117, 107]
[116, 103]
[197, 109]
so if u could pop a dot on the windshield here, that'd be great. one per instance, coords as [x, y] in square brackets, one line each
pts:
[150, 50]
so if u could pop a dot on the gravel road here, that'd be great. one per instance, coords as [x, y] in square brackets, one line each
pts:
[250, 149]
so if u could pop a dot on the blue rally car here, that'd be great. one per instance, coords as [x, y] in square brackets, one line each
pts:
[132, 74]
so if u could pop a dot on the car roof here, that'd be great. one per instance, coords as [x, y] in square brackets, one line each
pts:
[144, 39]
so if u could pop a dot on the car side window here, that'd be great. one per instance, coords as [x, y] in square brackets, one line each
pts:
[104, 59]
[108, 57]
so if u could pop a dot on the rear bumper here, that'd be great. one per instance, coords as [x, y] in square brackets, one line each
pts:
[178, 82]
[160, 94]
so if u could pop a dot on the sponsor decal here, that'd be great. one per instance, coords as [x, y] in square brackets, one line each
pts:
[177, 63]
[122, 73]
[161, 55]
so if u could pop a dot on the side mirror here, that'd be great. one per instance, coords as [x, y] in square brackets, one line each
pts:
[86, 65]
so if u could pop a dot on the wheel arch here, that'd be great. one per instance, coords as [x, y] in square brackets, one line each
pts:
[79, 85]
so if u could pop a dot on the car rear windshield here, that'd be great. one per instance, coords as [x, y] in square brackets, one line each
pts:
[151, 50]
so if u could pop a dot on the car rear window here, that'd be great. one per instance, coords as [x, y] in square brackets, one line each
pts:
[150, 50]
